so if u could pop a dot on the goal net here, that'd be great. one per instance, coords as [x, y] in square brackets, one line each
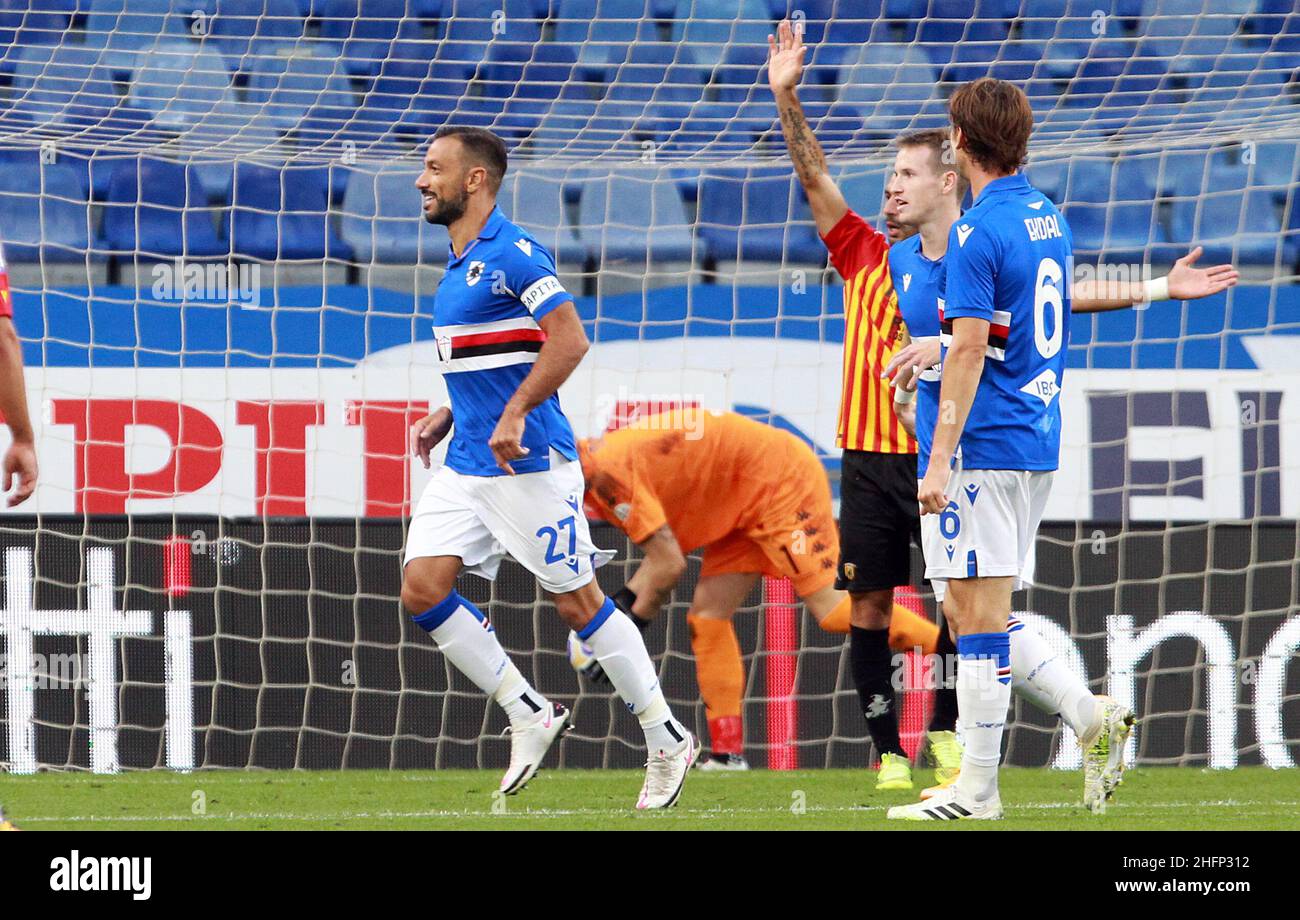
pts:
[224, 288]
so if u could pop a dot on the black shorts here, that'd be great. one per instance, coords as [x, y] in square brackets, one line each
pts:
[879, 520]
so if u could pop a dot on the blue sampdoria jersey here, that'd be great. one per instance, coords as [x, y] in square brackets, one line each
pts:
[485, 321]
[1009, 262]
[916, 283]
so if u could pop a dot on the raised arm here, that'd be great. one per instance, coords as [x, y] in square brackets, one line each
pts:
[784, 70]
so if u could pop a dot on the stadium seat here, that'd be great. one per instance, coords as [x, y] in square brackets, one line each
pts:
[381, 220]
[364, 30]
[863, 189]
[532, 195]
[281, 212]
[257, 27]
[180, 83]
[22, 26]
[599, 27]
[704, 23]
[633, 215]
[308, 91]
[61, 84]
[1235, 226]
[125, 28]
[52, 228]
[158, 208]
[754, 214]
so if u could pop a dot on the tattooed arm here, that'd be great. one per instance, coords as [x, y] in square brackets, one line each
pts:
[784, 69]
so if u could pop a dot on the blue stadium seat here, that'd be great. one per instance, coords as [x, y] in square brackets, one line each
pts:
[365, 30]
[419, 94]
[1236, 226]
[180, 83]
[633, 215]
[260, 27]
[124, 28]
[308, 91]
[61, 84]
[533, 197]
[889, 72]
[281, 213]
[863, 189]
[720, 22]
[22, 26]
[1051, 178]
[158, 207]
[755, 214]
[467, 28]
[1275, 164]
[381, 219]
[57, 229]
[740, 75]
[1090, 179]
[604, 24]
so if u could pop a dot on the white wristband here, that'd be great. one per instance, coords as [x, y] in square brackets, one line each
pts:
[1156, 289]
[903, 397]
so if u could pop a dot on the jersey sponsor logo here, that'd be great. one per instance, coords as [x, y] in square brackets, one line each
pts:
[1043, 228]
[474, 273]
[963, 231]
[539, 290]
[1044, 386]
[525, 246]
[907, 282]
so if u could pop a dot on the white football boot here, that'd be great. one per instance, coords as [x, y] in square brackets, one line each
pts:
[529, 744]
[665, 774]
[723, 763]
[1103, 754]
[948, 805]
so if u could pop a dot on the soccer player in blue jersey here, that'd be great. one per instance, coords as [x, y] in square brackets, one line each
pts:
[1004, 308]
[922, 205]
[508, 335]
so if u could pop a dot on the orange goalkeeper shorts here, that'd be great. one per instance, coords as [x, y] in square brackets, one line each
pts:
[794, 536]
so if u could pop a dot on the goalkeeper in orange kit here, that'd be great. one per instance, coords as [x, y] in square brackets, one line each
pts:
[756, 500]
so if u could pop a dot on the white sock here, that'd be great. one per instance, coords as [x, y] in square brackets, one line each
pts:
[1040, 676]
[983, 695]
[620, 649]
[464, 635]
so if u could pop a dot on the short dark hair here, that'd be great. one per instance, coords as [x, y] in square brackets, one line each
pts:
[995, 121]
[939, 143]
[482, 148]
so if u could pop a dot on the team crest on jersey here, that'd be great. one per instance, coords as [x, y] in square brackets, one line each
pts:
[850, 571]
[474, 273]
[444, 347]
[907, 282]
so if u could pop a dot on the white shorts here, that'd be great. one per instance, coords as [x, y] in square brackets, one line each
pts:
[988, 529]
[535, 517]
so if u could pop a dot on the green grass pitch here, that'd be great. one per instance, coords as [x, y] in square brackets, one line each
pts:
[1160, 798]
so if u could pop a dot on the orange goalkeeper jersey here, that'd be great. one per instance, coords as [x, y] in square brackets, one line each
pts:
[872, 329]
[703, 474]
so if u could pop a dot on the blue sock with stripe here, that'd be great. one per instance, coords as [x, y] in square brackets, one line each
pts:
[466, 638]
[983, 696]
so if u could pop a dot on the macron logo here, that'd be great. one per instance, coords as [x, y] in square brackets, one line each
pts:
[963, 232]
[1036, 204]
[525, 247]
[907, 283]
